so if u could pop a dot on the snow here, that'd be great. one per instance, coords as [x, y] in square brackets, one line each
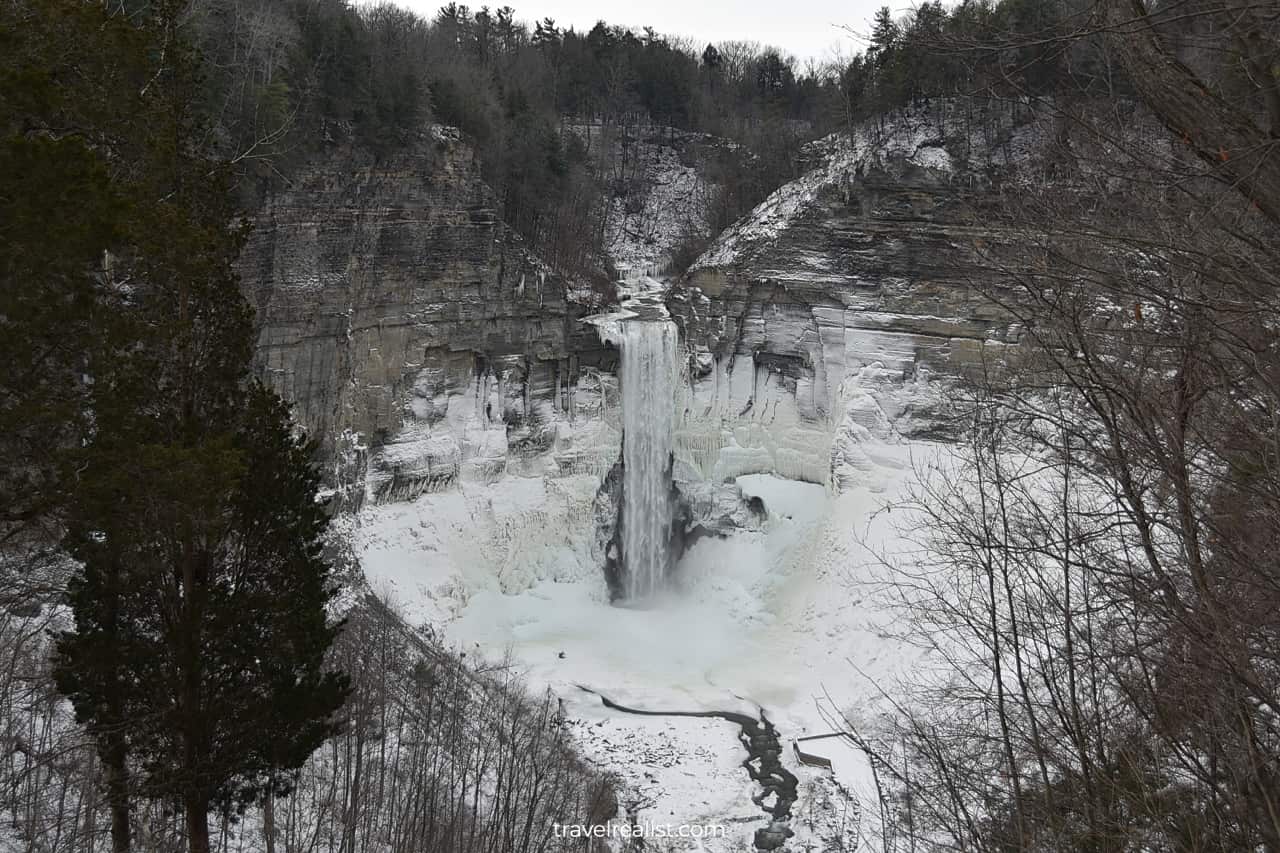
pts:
[785, 618]
[740, 418]
[464, 434]
[434, 554]
[675, 206]
[667, 198]
[782, 615]
[910, 137]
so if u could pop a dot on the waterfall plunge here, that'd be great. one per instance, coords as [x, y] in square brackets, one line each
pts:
[648, 350]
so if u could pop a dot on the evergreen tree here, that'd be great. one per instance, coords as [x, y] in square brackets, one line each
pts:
[196, 660]
[200, 612]
[711, 58]
[884, 36]
[63, 207]
[773, 74]
[545, 34]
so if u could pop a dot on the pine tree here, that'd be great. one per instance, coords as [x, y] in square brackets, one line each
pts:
[884, 36]
[196, 660]
[711, 58]
[546, 35]
[773, 74]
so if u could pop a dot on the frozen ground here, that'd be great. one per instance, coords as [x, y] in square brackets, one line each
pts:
[784, 619]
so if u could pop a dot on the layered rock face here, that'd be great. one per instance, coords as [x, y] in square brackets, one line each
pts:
[416, 336]
[841, 307]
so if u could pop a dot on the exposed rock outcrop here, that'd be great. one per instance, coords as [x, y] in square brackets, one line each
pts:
[836, 307]
[416, 336]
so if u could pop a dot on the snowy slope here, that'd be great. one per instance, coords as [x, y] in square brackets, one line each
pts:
[674, 204]
[659, 191]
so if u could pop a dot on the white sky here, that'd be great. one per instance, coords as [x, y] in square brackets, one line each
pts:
[804, 28]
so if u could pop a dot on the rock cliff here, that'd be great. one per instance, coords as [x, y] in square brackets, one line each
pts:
[416, 336]
[843, 304]
[427, 348]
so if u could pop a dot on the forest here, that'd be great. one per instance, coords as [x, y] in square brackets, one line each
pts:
[299, 78]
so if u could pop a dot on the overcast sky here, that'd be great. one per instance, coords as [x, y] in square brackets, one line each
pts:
[804, 28]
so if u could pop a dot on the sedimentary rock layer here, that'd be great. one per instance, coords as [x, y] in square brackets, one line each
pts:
[837, 306]
[413, 331]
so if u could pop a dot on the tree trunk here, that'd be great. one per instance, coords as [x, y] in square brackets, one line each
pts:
[269, 822]
[1240, 153]
[118, 795]
[197, 816]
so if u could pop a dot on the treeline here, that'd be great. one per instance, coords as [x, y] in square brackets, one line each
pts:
[1033, 49]
[984, 49]
[289, 81]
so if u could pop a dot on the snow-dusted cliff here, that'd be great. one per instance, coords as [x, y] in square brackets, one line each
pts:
[417, 337]
[660, 190]
[844, 304]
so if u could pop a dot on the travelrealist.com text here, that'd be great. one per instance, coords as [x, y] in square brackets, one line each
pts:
[639, 830]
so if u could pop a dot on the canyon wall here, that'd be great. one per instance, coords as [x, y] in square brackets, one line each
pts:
[418, 339]
[431, 353]
[848, 303]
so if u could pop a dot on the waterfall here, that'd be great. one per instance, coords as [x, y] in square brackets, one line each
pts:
[648, 350]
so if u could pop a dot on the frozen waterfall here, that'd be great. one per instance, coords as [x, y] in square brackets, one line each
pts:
[648, 350]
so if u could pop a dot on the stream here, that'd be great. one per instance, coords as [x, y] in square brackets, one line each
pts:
[763, 764]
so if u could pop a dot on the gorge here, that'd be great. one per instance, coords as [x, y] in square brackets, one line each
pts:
[727, 441]
[428, 431]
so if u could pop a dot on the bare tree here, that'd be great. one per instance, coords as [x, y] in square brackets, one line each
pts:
[1102, 587]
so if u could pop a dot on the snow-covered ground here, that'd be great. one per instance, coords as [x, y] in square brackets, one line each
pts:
[784, 618]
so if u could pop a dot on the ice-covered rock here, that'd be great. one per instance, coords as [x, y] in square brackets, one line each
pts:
[846, 305]
[417, 337]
